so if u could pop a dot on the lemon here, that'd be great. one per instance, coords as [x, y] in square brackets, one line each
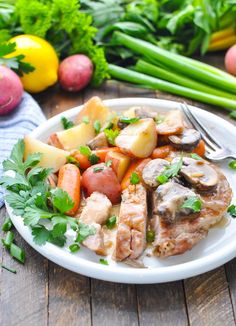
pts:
[42, 56]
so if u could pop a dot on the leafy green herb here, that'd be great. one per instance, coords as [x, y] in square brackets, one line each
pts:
[129, 120]
[98, 169]
[196, 156]
[194, 203]
[7, 224]
[40, 234]
[150, 236]
[8, 269]
[111, 135]
[84, 231]
[232, 210]
[109, 163]
[72, 160]
[170, 171]
[232, 165]
[97, 126]
[94, 159]
[111, 222]
[103, 261]
[61, 200]
[162, 179]
[67, 124]
[16, 62]
[74, 247]
[85, 120]
[85, 150]
[134, 178]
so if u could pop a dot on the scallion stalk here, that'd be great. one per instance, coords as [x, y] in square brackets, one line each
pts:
[17, 253]
[7, 224]
[176, 62]
[158, 72]
[8, 239]
[158, 84]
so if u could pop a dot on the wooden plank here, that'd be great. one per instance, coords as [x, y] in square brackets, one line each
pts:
[23, 295]
[162, 304]
[208, 299]
[230, 273]
[69, 298]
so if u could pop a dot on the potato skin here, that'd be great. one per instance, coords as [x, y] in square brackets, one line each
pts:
[103, 179]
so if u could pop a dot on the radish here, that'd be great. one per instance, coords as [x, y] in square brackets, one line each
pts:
[11, 90]
[75, 72]
[230, 60]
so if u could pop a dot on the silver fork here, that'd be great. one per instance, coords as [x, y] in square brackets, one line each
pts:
[214, 150]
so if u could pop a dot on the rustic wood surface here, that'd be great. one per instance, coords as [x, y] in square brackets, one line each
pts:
[42, 293]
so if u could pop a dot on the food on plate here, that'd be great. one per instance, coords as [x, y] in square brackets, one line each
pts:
[230, 60]
[128, 186]
[138, 139]
[52, 157]
[40, 54]
[11, 90]
[75, 72]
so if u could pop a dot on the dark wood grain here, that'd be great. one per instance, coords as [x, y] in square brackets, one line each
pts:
[24, 296]
[208, 299]
[231, 277]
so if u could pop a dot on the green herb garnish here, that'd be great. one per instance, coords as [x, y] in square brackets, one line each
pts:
[232, 210]
[86, 151]
[109, 163]
[74, 247]
[134, 178]
[162, 179]
[97, 126]
[67, 124]
[232, 165]
[98, 169]
[103, 261]
[194, 203]
[84, 231]
[72, 160]
[85, 120]
[129, 120]
[111, 222]
[170, 171]
[150, 236]
[111, 135]
[94, 159]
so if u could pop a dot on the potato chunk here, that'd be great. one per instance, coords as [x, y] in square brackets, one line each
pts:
[138, 139]
[120, 163]
[77, 136]
[52, 157]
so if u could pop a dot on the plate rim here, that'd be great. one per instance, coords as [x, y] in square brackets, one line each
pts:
[112, 273]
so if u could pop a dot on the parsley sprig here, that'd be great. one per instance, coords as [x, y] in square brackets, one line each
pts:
[194, 203]
[170, 171]
[31, 197]
[86, 151]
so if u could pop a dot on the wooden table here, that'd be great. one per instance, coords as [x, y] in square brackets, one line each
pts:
[42, 293]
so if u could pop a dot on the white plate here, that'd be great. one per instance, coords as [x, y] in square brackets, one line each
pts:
[218, 248]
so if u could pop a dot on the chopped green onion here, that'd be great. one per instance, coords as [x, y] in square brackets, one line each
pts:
[98, 169]
[7, 224]
[85, 120]
[17, 253]
[111, 222]
[67, 124]
[8, 239]
[8, 269]
[97, 126]
[162, 179]
[72, 160]
[232, 165]
[150, 236]
[74, 247]
[103, 261]
[134, 179]
[109, 163]
[196, 156]
[129, 120]
[85, 150]
[111, 135]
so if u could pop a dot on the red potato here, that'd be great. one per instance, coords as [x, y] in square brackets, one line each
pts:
[230, 60]
[75, 72]
[103, 179]
[11, 90]
[69, 181]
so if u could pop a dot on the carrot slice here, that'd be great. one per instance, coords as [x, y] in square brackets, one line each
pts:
[102, 153]
[137, 167]
[162, 151]
[200, 149]
[69, 181]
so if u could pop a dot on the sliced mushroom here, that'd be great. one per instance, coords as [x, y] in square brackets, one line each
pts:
[100, 141]
[168, 199]
[173, 124]
[144, 112]
[186, 141]
[152, 170]
[200, 174]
